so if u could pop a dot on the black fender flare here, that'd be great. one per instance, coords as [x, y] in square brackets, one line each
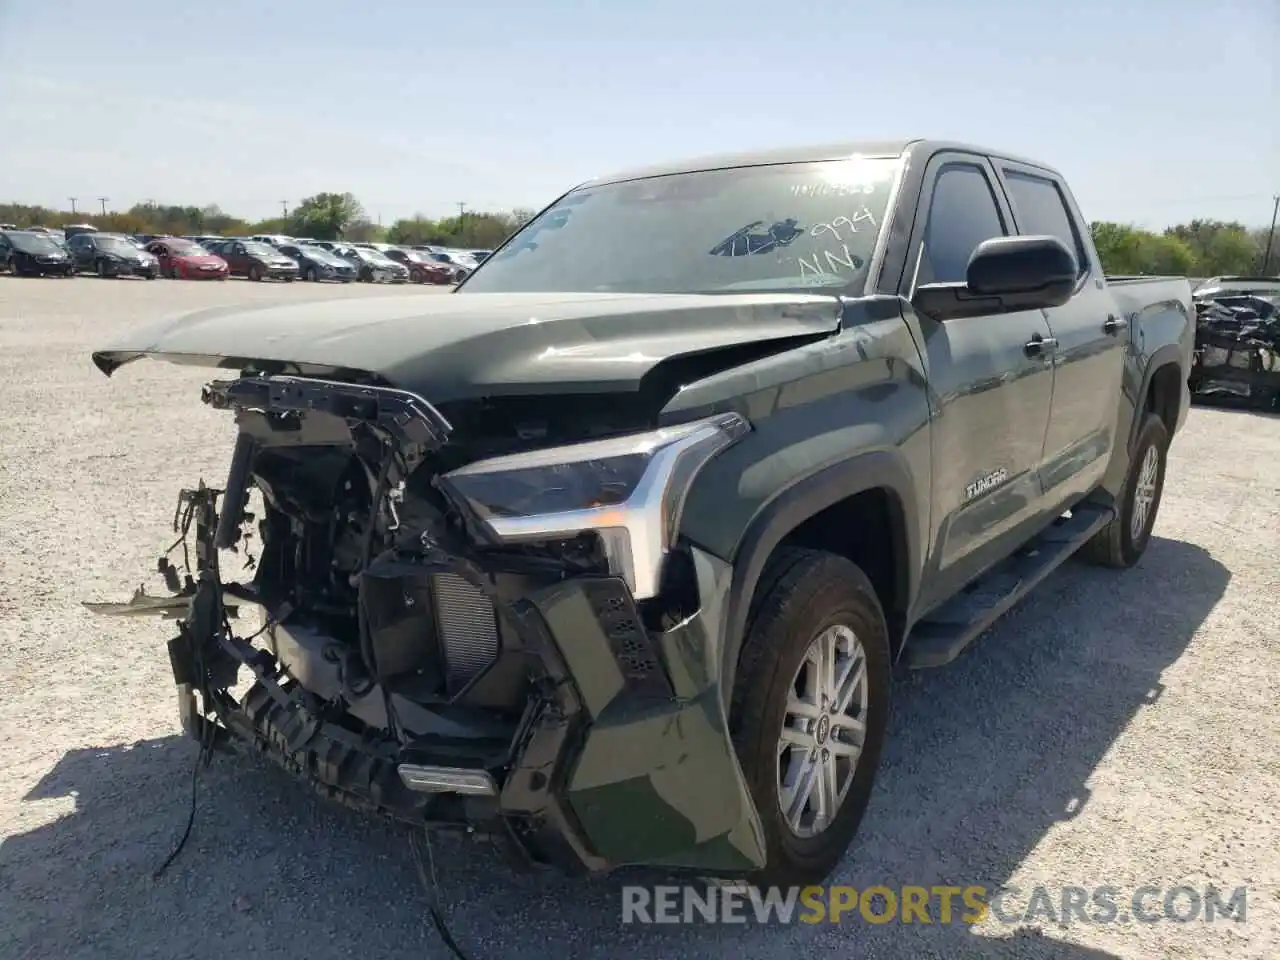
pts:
[805, 499]
[1170, 353]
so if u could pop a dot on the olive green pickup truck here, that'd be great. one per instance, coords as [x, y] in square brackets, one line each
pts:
[609, 555]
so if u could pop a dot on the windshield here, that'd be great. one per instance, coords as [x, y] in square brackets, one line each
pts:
[777, 227]
[417, 256]
[186, 248]
[255, 249]
[37, 243]
[116, 245]
[321, 255]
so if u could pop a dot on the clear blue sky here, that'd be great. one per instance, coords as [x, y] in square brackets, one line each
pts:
[414, 106]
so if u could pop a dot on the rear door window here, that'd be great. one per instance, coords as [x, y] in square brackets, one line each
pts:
[1041, 210]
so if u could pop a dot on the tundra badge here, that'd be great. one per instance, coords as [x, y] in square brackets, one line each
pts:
[985, 483]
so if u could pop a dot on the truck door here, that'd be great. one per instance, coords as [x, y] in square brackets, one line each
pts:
[1092, 337]
[991, 384]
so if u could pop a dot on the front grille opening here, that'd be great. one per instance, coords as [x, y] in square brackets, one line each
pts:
[467, 626]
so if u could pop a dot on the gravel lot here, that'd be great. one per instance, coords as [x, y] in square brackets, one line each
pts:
[1114, 730]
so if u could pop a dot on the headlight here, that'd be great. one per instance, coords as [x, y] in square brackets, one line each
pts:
[628, 490]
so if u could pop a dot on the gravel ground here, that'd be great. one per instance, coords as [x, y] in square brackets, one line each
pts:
[1115, 729]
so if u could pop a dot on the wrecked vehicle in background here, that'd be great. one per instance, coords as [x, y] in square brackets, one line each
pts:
[608, 555]
[1238, 340]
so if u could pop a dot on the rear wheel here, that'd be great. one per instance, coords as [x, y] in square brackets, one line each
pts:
[102, 269]
[255, 273]
[311, 274]
[415, 276]
[1122, 542]
[810, 707]
[14, 269]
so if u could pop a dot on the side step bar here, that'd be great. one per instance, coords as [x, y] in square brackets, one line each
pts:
[938, 640]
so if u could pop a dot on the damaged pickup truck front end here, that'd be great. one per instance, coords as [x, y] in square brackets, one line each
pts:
[434, 651]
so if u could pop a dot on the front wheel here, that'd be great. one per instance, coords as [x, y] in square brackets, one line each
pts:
[810, 707]
[311, 274]
[255, 273]
[1122, 542]
[102, 270]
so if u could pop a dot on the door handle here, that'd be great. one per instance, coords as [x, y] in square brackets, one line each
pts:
[1114, 325]
[1038, 346]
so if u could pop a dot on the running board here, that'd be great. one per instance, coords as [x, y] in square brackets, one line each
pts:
[939, 639]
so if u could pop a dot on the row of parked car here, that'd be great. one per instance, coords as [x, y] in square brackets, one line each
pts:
[81, 248]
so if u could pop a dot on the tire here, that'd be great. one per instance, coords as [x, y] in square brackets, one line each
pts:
[1121, 543]
[174, 272]
[415, 276]
[255, 273]
[311, 274]
[102, 270]
[14, 269]
[804, 596]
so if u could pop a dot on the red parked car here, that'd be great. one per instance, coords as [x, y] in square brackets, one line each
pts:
[422, 269]
[186, 260]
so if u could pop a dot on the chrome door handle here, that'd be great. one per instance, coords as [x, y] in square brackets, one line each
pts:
[1038, 346]
[1114, 325]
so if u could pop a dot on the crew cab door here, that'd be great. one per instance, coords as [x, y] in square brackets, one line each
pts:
[990, 380]
[236, 257]
[82, 250]
[1091, 339]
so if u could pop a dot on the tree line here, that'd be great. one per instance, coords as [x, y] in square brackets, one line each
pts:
[1201, 248]
[325, 216]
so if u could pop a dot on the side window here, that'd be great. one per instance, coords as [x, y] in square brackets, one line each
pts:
[962, 213]
[1041, 210]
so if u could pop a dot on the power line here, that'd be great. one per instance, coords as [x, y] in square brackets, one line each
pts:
[1271, 234]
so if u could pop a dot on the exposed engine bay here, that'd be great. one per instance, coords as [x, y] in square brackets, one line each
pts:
[425, 653]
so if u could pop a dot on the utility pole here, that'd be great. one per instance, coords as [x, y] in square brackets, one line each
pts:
[1271, 235]
[284, 209]
[73, 205]
[462, 220]
[103, 201]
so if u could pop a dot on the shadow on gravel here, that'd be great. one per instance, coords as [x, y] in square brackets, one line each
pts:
[984, 757]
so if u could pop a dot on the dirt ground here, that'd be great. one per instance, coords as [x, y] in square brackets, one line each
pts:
[1114, 730]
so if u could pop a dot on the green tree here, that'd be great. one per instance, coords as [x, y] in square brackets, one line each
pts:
[326, 216]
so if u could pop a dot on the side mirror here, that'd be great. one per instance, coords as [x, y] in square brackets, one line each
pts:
[1005, 275]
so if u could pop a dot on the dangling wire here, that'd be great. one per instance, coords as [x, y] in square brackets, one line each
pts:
[431, 887]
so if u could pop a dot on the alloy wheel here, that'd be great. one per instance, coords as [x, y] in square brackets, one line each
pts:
[1144, 492]
[823, 730]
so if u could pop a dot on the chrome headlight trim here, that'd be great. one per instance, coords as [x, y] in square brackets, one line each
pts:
[638, 533]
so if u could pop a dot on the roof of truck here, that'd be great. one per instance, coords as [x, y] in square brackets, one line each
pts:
[805, 154]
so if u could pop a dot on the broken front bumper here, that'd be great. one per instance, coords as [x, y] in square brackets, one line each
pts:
[622, 757]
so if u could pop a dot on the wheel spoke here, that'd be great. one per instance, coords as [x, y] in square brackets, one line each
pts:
[852, 679]
[828, 791]
[804, 780]
[793, 737]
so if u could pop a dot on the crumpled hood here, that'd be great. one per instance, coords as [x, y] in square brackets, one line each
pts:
[460, 346]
